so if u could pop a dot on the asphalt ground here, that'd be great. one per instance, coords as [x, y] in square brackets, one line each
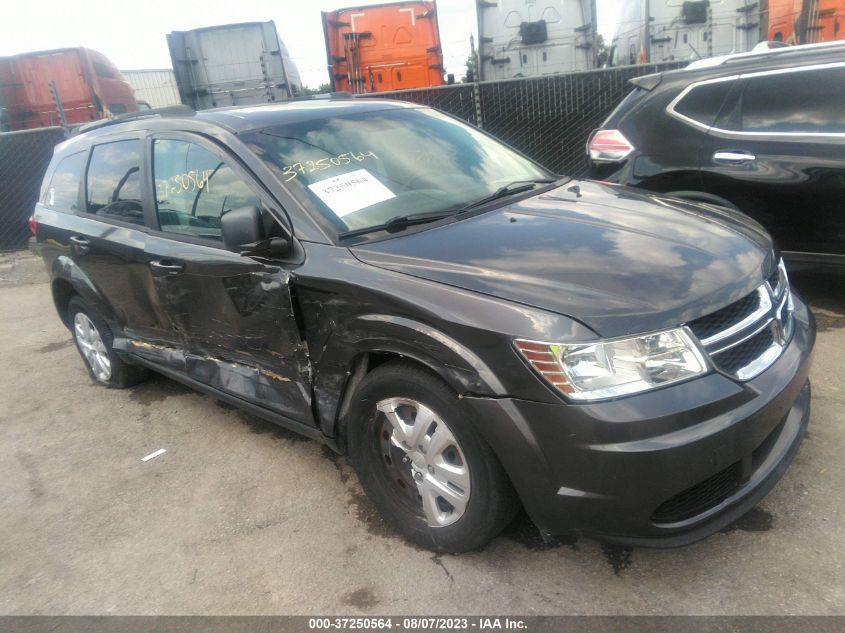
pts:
[241, 517]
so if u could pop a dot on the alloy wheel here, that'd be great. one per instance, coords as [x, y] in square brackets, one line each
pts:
[93, 348]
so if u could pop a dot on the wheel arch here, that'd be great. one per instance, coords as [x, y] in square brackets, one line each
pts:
[69, 280]
[349, 355]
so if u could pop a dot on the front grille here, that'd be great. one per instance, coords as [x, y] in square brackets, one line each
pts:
[699, 498]
[707, 326]
[735, 358]
[746, 337]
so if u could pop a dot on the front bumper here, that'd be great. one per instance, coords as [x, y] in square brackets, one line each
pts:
[664, 468]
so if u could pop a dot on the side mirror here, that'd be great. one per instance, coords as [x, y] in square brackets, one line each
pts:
[243, 232]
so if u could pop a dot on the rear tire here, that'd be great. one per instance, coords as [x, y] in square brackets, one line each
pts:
[94, 340]
[421, 461]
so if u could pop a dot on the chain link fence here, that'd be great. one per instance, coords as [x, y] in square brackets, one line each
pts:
[24, 157]
[547, 118]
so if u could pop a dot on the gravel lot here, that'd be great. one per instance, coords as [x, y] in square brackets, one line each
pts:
[239, 517]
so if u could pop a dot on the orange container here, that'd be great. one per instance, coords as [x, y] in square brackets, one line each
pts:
[806, 21]
[384, 47]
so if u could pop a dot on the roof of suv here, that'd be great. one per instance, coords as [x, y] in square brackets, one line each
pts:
[239, 118]
[785, 57]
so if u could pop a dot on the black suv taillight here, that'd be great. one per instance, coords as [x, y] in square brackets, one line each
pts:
[609, 146]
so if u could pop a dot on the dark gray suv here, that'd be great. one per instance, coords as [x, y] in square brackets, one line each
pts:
[472, 330]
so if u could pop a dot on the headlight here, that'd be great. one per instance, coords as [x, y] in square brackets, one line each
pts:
[611, 368]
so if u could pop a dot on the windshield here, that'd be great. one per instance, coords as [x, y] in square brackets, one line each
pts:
[365, 169]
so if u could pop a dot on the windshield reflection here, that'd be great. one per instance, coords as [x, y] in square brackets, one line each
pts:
[364, 169]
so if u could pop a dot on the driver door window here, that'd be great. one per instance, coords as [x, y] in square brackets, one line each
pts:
[194, 189]
[113, 185]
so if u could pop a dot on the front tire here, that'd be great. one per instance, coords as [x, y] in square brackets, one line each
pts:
[94, 340]
[422, 462]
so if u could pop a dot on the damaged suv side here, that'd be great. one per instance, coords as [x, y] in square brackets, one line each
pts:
[475, 332]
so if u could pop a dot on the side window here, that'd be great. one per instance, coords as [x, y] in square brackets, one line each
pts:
[62, 193]
[703, 103]
[195, 188]
[113, 184]
[803, 101]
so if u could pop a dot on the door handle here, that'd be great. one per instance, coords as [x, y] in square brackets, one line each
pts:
[733, 157]
[79, 241]
[168, 266]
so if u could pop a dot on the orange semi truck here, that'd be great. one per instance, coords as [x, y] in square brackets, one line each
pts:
[89, 86]
[383, 47]
[806, 21]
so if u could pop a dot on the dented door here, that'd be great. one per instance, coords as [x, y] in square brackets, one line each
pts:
[235, 320]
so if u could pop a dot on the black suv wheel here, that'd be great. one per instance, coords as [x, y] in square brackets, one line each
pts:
[94, 339]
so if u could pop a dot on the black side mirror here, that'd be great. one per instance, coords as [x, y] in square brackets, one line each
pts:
[243, 232]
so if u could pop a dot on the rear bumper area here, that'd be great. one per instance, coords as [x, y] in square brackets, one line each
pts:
[661, 469]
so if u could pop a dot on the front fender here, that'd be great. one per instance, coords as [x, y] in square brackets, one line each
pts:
[349, 309]
[400, 336]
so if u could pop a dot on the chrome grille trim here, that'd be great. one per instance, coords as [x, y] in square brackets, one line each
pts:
[745, 336]
[774, 313]
[764, 308]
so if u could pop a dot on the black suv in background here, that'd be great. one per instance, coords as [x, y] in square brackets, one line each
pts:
[473, 330]
[762, 132]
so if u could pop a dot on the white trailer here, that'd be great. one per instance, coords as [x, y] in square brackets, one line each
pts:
[531, 38]
[156, 87]
[650, 31]
[232, 64]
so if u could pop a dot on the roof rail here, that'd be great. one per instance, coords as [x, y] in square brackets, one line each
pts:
[175, 111]
[762, 51]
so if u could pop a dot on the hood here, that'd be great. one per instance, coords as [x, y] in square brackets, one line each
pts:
[619, 260]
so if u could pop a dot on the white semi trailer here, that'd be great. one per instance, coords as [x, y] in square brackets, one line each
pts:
[650, 31]
[531, 38]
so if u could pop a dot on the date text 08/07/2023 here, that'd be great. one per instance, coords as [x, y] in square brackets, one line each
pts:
[419, 623]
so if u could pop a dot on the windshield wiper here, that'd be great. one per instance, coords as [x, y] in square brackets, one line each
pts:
[399, 223]
[402, 222]
[517, 186]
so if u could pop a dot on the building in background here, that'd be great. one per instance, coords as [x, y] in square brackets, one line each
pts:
[806, 21]
[529, 39]
[652, 31]
[383, 47]
[232, 64]
[37, 89]
[155, 87]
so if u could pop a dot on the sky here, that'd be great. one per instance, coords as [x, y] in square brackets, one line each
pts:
[133, 35]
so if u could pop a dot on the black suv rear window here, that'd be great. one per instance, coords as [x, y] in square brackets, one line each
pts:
[803, 101]
[702, 103]
[113, 185]
[63, 191]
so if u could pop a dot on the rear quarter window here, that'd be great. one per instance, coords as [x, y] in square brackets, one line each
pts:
[703, 102]
[62, 192]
